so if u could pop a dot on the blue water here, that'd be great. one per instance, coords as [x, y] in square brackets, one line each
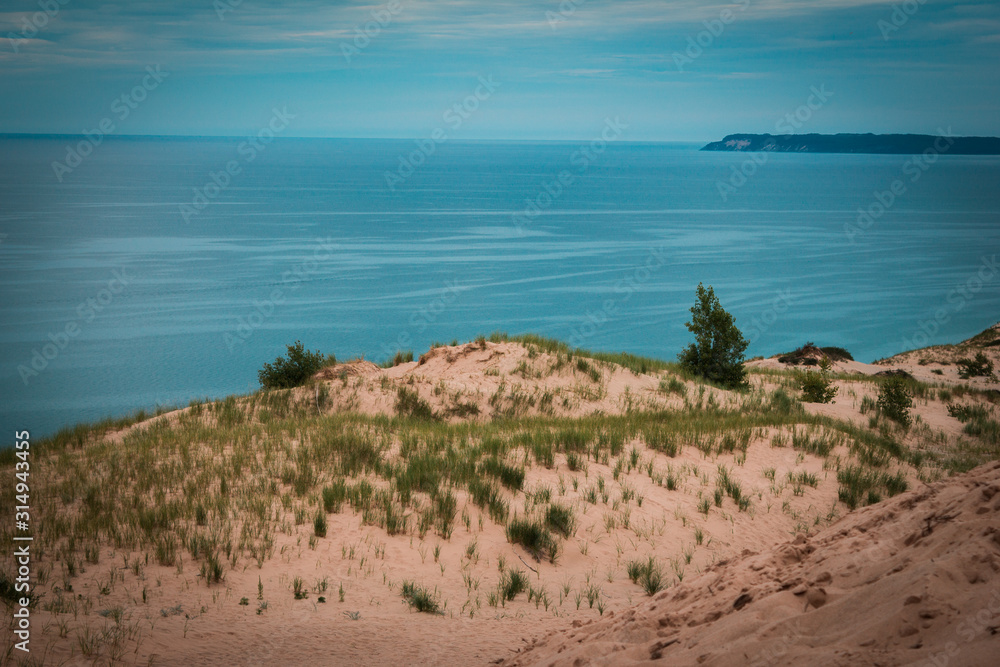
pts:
[308, 242]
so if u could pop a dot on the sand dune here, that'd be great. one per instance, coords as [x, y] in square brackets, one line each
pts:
[914, 580]
[705, 486]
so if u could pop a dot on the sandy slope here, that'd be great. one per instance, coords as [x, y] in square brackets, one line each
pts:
[914, 580]
[212, 628]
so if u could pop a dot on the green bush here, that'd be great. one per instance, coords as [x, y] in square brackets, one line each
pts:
[981, 366]
[485, 494]
[674, 386]
[782, 403]
[895, 400]
[987, 429]
[977, 422]
[293, 371]
[837, 353]
[717, 354]
[818, 387]
[967, 413]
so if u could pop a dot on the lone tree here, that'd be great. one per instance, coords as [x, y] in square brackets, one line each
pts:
[717, 353]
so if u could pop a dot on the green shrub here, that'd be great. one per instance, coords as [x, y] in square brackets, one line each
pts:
[211, 568]
[293, 371]
[782, 403]
[661, 439]
[817, 387]
[895, 400]
[981, 366]
[319, 524]
[717, 354]
[837, 353]
[977, 422]
[584, 366]
[967, 413]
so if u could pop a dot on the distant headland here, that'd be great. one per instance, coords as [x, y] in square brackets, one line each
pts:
[896, 144]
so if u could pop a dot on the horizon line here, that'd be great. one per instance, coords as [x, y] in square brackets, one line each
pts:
[74, 135]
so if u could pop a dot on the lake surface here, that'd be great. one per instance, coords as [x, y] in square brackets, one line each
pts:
[137, 280]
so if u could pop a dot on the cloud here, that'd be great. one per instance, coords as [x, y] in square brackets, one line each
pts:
[602, 54]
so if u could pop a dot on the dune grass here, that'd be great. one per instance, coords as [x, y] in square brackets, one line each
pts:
[419, 598]
[534, 537]
[648, 574]
[232, 468]
[634, 363]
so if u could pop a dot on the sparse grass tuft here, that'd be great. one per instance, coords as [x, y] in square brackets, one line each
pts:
[861, 486]
[534, 537]
[419, 598]
[400, 357]
[409, 404]
[648, 574]
[511, 583]
[560, 519]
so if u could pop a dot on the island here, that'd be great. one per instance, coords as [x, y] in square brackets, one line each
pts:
[894, 144]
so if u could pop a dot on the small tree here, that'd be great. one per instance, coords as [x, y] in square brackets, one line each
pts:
[895, 400]
[293, 371]
[717, 353]
[818, 387]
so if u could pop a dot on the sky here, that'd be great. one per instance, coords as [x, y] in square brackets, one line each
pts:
[673, 71]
